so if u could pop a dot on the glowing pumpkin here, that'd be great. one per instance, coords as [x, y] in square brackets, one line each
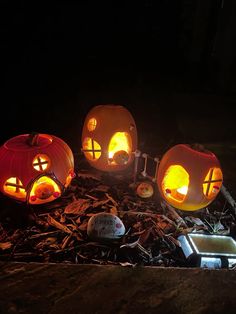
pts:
[109, 137]
[35, 168]
[189, 178]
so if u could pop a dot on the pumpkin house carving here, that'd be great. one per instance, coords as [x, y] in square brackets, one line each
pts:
[35, 168]
[109, 138]
[189, 178]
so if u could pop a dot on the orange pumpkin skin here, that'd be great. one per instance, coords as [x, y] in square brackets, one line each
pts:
[101, 124]
[189, 179]
[48, 161]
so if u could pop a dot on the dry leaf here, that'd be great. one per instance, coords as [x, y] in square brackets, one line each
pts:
[39, 235]
[72, 227]
[101, 188]
[62, 219]
[100, 203]
[83, 226]
[65, 241]
[175, 241]
[112, 200]
[113, 210]
[91, 197]
[144, 236]
[5, 245]
[130, 245]
[46, 243]
[57, 225]
[78, 206]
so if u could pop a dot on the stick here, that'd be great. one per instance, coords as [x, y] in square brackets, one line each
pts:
[136, 162]
[228, 197]
[156, 159]
[178, 220]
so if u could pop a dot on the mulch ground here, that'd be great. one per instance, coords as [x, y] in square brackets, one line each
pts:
[57, 231]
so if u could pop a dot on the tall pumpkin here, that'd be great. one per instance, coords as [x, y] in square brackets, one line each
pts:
[109, 137]
[35, 167]
[189, 178]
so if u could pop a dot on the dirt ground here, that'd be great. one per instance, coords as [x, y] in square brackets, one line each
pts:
[36, 288]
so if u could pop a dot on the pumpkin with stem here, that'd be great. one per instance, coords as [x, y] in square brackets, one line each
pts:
[35, 168]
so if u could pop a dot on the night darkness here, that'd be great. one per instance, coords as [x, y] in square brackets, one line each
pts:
[172, 63]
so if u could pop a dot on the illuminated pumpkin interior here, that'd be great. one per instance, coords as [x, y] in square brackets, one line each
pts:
[41, 162]
[175, 183]
[119, 148]
[92, 123]
[44, 189]
[212, 182]
[13, 186]
[91, 149]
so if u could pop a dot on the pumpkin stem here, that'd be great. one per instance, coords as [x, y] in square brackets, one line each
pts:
[198, 147]
[32, 139]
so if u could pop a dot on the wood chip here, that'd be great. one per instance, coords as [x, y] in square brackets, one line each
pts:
[57, 224]
[77, 206]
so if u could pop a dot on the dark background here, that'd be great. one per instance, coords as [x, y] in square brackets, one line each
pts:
[171, 63]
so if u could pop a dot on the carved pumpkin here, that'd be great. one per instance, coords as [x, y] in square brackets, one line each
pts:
[109, 137]
[145, 190]
[189, 178]
[35, 168]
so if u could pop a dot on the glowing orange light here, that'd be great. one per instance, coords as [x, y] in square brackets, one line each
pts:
[41, 162]
[175, 183]
[119, 147]
[13, 186]
[45, 189]
[92, 123]
[91, 148]
[212, 182]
